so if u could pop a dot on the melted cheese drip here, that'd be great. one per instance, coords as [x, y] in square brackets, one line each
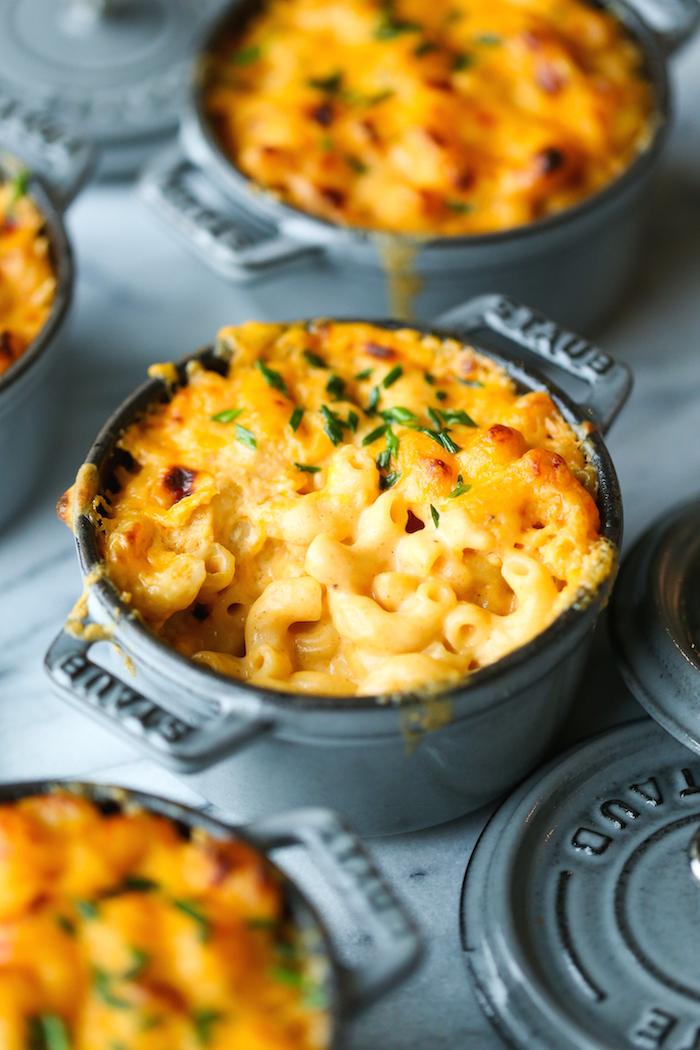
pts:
[454, 117]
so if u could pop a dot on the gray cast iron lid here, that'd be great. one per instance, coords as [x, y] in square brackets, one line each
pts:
[580, 911]
[655, 622]
[110, 71]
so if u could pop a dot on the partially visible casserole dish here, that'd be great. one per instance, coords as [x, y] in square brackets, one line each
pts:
[128, 921]
[450, 118]
[351, 510]
[391, 762]
[120, 931]
[27, 279]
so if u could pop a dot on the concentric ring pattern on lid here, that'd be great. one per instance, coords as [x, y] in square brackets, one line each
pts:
[114, 72]
[655, 622]
[580, 912]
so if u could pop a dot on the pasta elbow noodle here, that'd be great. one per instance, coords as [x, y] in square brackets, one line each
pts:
[315, 531]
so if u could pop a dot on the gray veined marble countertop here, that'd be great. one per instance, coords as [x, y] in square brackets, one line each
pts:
[141, 298]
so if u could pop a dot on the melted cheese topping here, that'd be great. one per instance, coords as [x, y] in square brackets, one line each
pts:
[351, 510]
[27, 280]
[116, 932]
[453, 117]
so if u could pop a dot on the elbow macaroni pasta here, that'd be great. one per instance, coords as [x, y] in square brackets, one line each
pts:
[351, 510]
[455, 117]
[27, 280]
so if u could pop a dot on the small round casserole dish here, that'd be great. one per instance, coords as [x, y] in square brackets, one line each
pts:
[390, 763]
[40, 163]
[572, 265]
[131, 920]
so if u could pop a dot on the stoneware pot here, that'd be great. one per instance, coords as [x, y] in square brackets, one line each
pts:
[337, 861]
[573, 266]
[388, 767]
[28, 397]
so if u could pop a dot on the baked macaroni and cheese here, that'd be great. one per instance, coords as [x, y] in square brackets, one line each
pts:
[27, 280]
[119, 933]
[450, 117]
[350, 510]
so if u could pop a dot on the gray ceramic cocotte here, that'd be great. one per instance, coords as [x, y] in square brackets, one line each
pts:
[573, 266]
[28, 397]
[337, 860]
[388, 767]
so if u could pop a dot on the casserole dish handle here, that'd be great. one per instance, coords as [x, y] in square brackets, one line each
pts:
[678, 22]
[350, 872]
[63, 162]
[174, 741]
[610, 382]
[233, 243]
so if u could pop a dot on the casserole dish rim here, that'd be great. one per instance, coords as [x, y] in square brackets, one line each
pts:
[196, 123]
[63, 266]
[137, 637]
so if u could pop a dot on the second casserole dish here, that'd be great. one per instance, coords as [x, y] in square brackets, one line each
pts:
[372, 554]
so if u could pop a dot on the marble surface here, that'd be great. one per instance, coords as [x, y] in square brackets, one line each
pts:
[142, 298]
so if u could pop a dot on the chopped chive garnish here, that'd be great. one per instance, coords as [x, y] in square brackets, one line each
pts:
[192, 909]
[101, 982]
[461, 62]
[489, 39]
[392, 442]
[285, 975]
[307, 468]
[272, 378]
[461, 207]
[392, 376]
[315, 998]
[256, 923]
[327, 144]
[457, 415]
[333, 428]
[52, 1033]
[335, 387]
[314, 360]
[381, 96]
[441, 436]
[141, 960]
[139, 882]
[227, 416]
[434, 417]
[353, 421]
[434, 515]
[459, 489]
[203, 1021]
[374, 435]
[86, 909]
[471, 382]
[429, 379]
[66, 925]
[18, 188]
[398, 414]
[390, 27]
[330, 84]
[383, 460]
[364, 375]
[441, 395]
[373, 401]
[246, 56]
[389, 481]
[447, 443]
[246, 437]
[424, 48]
[356, 164]
[296, 417]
